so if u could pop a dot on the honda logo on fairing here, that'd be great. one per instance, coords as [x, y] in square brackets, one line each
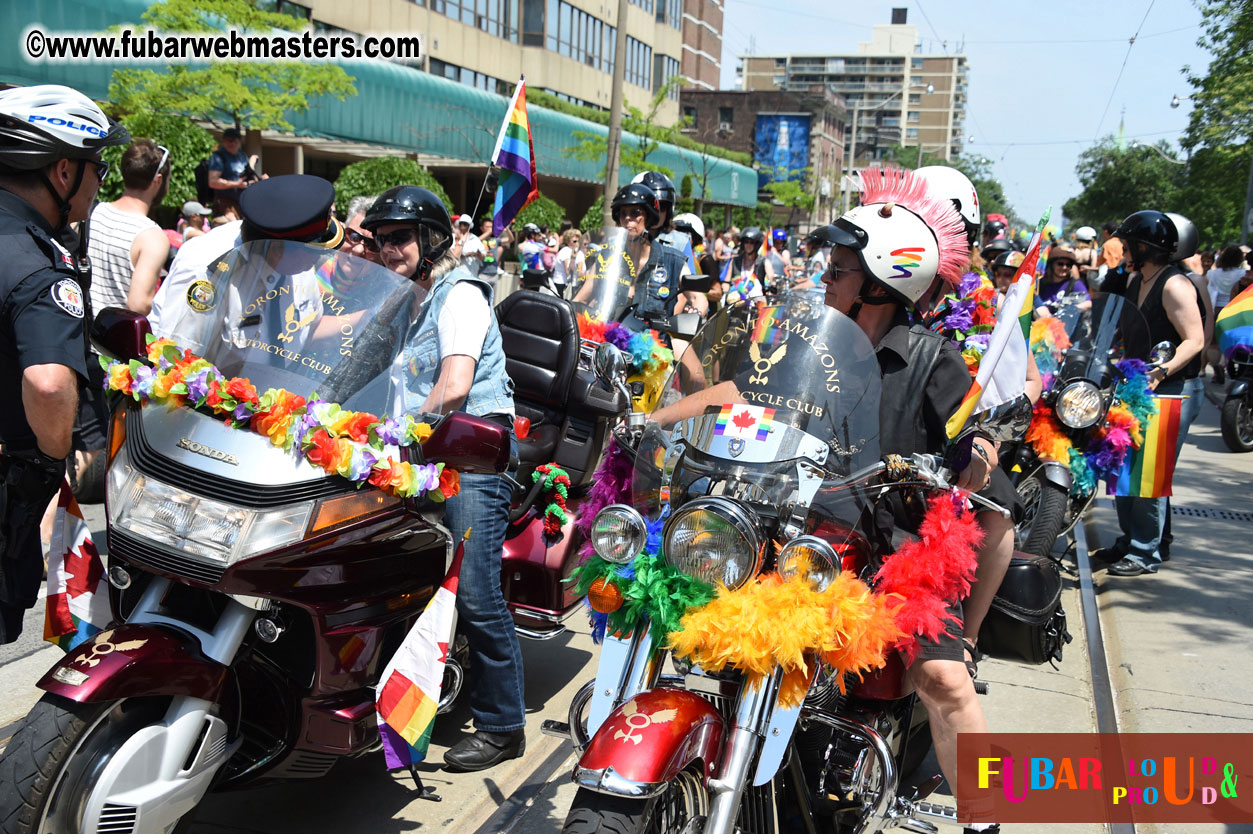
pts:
[207, 451]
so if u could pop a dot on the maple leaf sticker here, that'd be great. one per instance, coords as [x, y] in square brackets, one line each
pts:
[85, 570]
[743, 420]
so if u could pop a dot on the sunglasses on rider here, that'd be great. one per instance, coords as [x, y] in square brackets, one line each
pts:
[165, 155]
[397, 238]
[102, 168]
[629, 213]
[356, 238]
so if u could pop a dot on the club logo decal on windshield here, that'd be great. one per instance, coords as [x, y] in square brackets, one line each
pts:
[763, 364]
[293, 324]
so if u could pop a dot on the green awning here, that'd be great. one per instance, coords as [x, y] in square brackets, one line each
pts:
[395, 106]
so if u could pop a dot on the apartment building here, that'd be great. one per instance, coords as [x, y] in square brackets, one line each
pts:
[702, 43]
[898, 94]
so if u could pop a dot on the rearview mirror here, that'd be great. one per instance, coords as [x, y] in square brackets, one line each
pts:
[1162, 353]
[683, 325]
[608, 364]
[121, 333]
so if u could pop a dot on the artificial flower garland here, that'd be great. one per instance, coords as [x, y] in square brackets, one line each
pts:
[968, 316]
[650, 359]
[556, 490]
[340, 442]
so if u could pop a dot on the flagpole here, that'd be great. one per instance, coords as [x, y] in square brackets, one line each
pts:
[474, 215]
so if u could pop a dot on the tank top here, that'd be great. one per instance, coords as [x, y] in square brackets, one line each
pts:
[109, 247]
[1160, 328]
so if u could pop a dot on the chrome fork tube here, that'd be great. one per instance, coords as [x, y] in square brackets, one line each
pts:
[881, 811]
[752, 716]
[642, 666]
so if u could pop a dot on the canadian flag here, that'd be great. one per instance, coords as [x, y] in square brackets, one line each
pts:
[78, 601]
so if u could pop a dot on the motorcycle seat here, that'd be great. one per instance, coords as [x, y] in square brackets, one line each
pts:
[540, 337]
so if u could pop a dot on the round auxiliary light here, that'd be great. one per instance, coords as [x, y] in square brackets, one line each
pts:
[619, 533]
[811, 559]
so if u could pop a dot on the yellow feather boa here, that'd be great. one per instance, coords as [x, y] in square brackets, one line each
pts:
[771, 622]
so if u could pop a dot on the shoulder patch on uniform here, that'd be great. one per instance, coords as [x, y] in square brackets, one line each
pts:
[68, 296]
[201, 296]
[66, 257]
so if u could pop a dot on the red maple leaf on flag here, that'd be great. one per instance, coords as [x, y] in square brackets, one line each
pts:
[743, 420]
[85, 569]
[443, 652]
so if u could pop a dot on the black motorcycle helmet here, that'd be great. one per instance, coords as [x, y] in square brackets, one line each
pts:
[820, 237]
[530, 230]
[995, 248]
[419, 207]
[1150, 227]
[752, 237]
[637, 194]
[1189, 237]
[663, 187]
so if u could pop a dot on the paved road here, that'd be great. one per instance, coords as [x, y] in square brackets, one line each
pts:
[1178, 653]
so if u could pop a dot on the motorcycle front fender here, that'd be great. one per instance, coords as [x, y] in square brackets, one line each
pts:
[134, 660]
[1058, 473]
[648, 740]
[1239, 388]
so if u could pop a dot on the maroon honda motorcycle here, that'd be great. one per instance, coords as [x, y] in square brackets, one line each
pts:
[255, 598]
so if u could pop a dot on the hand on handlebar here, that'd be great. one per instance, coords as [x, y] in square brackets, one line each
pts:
[979, 471]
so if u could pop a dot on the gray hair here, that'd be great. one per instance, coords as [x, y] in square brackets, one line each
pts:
[360, 205]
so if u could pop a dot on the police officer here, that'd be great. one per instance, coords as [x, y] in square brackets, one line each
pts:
[50, 170]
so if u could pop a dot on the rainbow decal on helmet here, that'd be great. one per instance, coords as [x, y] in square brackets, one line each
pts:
[910, 191]
[908, 258]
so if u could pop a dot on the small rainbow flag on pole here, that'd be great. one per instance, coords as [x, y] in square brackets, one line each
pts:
[408, 691]
[1003, 368]
[514, 155]
[1148, 471]
[1234, 326]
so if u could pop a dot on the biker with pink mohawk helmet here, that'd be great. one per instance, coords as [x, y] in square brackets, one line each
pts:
[887, 254]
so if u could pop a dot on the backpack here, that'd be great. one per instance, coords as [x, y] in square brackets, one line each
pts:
[204, 194]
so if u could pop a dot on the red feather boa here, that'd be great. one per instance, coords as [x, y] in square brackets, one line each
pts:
[926, 573]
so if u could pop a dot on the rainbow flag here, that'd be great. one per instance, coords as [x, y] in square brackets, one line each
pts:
[78, 602]
[1003, 368]
[515, 156]
[766, 330]
[1234, 326]
[408, 691]
[1148, 471]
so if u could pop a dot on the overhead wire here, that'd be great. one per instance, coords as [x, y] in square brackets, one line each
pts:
[1118, 78]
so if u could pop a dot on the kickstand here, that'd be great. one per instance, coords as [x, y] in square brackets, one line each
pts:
[423, 791]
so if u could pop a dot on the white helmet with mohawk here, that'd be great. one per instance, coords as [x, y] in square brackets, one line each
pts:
[903, 234]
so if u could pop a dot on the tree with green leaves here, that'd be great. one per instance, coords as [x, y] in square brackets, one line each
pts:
[542, 212]
[374, 176]
[1119, 180]
[649, 135]
[1222, 117]
[238, 93]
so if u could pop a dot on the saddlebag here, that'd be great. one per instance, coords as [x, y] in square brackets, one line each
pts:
[1026, 622]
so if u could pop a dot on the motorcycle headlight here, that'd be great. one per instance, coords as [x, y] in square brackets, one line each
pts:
[1080, 405]
[811, 559]
[618, 533]
[716, 540]
[200, 527]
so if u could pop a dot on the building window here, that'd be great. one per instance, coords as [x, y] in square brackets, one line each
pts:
[911, 133]
[915, 98]
[725, 115]
[664, 69]
[496, 17]
[576, 34]
[533, 22]
[689, 113]
[646, 5]
[913, 116]
[670, 12]
[639, 63]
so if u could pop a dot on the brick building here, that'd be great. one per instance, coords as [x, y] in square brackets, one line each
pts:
[702, 43]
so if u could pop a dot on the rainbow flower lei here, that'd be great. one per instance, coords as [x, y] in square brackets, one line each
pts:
[968, 316]
[345, 443]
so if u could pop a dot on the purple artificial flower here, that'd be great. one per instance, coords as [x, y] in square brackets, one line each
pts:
[425, 477]
[362, 463]
[978, 341]
[619, 337]
[968, 284]
[197, 385]
[388, 432]
[142, 381]
[302, 427]
[243, 412]
[962, 317]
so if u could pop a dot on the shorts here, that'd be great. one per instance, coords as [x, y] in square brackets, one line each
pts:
[1001, 490]
[948, 645]
[93, 411]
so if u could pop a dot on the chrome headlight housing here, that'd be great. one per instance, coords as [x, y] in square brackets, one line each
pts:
[619, 533]
[716, 540]
[811, 559]
[1080, 405]
[202, 528]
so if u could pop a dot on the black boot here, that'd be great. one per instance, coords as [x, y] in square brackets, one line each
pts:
[483, 750]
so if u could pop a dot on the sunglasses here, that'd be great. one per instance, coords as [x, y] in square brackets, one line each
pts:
[102, 168]
[630, 213]
[355, 238]
[397, 238]
[165, 156]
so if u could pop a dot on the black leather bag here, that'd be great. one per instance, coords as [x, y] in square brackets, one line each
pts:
[1026, 622]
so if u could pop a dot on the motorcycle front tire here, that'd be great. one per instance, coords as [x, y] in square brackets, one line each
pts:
[599, 813]
[1237, 423]
[1049, 518]
[55, 745]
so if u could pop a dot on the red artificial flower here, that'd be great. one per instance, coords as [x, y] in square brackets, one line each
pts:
[449, 482]
[242, 390]
[358, 427]
[214, 398]
[321, 452]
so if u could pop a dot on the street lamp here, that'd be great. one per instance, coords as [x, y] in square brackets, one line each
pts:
[1138, 144]
[852, 153]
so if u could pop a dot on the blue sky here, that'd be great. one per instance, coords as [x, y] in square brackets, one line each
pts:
[1039, 72]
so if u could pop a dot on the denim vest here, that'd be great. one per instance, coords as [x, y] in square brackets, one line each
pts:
[657, 286]
[492, 389]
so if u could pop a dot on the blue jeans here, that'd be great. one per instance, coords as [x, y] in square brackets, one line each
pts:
[1143, 519]
[496, 678]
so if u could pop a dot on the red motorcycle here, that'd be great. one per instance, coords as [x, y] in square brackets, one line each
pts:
[775, 478]
[256, 598]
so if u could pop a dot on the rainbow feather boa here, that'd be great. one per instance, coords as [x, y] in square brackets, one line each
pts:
[1108, 445]
[773, 622]
[650, 359]
[345, 443]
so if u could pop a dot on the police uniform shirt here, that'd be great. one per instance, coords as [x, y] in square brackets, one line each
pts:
[42, 308]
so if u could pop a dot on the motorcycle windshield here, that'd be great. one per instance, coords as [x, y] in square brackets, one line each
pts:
[1112, 329]
[785, 397]
[304, 318]
[607, 286]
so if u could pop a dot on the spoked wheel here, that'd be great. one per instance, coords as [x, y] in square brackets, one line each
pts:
[1044, 514]
[596, 813]
[1237, 423]
[56, 756]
